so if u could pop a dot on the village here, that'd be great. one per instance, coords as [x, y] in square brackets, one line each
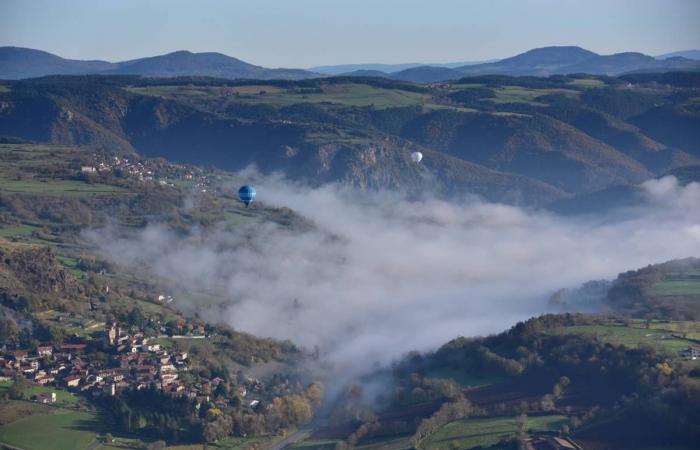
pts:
[134, 362]
[145, 170]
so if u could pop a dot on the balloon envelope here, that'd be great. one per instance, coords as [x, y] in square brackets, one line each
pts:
[247, 194]
[416, 156]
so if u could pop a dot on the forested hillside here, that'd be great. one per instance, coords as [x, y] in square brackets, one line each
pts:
[520, 140]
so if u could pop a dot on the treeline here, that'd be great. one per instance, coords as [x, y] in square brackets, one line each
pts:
[448, 412]
[150, 412]
[631, 292]
[90, 84]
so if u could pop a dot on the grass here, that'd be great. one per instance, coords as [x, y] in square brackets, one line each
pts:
[62, 396]
[20, 164]
[517, 94]
[470, 433]
[632, 336]
[54, 429]
[587, 83]
[682, 283]
[54, 187]
[690, 328]
[76, 324]
[19, 230]
[680, 287]
[390, 443]
[14, 410]
[463, 377]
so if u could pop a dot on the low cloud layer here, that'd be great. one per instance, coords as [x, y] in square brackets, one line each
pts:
[380, 275]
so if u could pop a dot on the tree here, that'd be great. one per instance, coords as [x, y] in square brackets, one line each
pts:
[18, 390]
[9, 331]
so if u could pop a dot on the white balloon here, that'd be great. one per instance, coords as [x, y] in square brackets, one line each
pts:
[416, 156]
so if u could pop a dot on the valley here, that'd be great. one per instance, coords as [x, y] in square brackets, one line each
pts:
[198, 252]
[503, 386]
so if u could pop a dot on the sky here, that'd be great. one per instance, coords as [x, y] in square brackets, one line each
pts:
[306, 33]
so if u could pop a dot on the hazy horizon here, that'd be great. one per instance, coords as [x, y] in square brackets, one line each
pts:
[311, 33]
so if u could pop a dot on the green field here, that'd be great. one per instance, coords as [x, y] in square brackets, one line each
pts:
[387, 443]
[667, 288]
[20, 165]
[631, 336]
[587, 83]
[54, 187]
[391, 443]
[688, 327]
[18, 231]
[63, 397]
[53, 429]
[517, 94]
[470, 433]
[687, 283]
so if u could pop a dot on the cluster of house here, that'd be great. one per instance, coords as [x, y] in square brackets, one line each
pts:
[136, 362]
[147, 170]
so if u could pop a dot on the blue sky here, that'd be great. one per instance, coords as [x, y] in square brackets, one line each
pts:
[304, 33]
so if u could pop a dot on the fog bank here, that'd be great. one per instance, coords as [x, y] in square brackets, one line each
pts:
[379, 275]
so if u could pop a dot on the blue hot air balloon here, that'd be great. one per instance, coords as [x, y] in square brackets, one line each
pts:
[247, 194]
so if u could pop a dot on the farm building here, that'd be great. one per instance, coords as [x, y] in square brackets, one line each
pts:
[690, 353]
[46, 398]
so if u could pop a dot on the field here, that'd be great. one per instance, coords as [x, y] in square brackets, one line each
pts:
[392, 443]
[54, 187]
[587, 83]
[687, 283]
[470, 433]
[517, 94]
[50, 428]
[21, 165]
[659, 334]
[72, 324]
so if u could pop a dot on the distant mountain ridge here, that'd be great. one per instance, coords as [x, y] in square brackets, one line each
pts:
[18, 63]
[386, 68]
[546, 61]
[688, 54]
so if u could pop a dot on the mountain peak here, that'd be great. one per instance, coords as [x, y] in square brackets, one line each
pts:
[569, 54]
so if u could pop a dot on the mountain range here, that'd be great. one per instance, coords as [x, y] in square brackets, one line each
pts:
[19, 63]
